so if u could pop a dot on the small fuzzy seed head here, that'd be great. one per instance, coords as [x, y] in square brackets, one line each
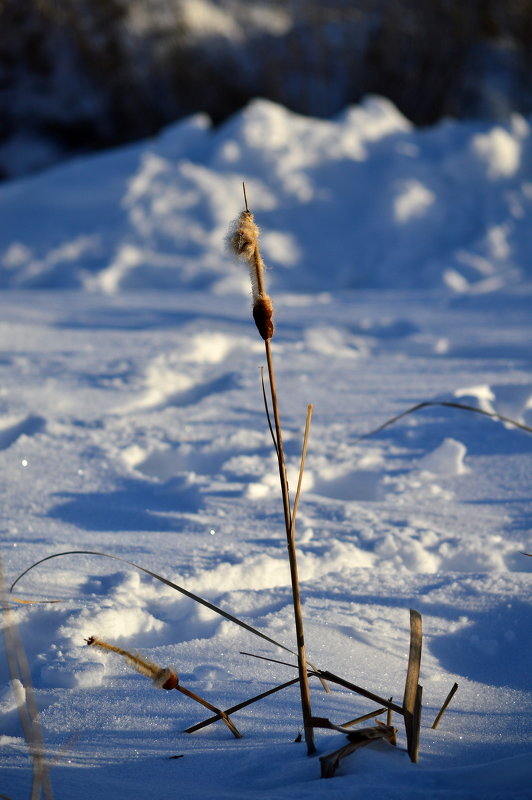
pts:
[244, 235]
[244, 241]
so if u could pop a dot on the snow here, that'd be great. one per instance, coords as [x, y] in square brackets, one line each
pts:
[132, 423]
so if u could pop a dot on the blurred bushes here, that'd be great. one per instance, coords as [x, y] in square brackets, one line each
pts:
[77, 75]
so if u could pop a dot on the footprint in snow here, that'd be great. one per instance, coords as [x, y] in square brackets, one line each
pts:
[166, 386]
[13, 428]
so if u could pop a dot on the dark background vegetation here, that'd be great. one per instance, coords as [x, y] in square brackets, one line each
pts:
[78, 75]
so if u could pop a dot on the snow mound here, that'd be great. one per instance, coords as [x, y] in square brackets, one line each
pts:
[362, 200]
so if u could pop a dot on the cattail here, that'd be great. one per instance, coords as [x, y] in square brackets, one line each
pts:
[162, 677]
[244, 241]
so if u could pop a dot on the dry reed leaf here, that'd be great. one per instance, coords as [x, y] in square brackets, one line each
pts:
[241, 705]
[167, 582]
[444, 404]
[359, 738]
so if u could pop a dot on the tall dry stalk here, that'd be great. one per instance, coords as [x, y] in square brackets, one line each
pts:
[244, 240]
[19, 670]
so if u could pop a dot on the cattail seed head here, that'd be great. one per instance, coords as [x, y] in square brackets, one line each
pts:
[245, 234]
[162, 677]
[244, 241]
[262, 314]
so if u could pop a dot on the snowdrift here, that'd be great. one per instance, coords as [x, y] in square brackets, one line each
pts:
[361, 201]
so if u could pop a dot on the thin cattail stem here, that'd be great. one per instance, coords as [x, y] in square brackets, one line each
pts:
[292, 558]
[244, 241]
[219, 713]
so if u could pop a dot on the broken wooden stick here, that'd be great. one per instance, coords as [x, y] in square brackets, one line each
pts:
[330, 676]
[219, 713]
[443, 709]
[365, 717]
[238, 706]
[413, 691]
[357, 739]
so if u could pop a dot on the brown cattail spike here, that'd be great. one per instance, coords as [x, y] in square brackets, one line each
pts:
[166, 679]
[262, 314]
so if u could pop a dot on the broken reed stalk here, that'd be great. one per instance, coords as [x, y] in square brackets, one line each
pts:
[241, 705]
[223, 715]
[389, 714]
[360, 738]
[244, 241]
[413, 691]
[28, 712]
[365, 717]
[443, 709]
[171, 584]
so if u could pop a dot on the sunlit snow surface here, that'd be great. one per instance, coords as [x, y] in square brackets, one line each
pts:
[132, 422]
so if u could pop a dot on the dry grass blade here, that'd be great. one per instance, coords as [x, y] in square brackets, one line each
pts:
[445, 404]
[267, 410]
[324, 722]
[18, 601]
[267, 658]
[313, 669]
[223, 715]
[361, 738]
[241, 705]
[296, 500]
[167, 582]
[365, 717]
[330, 676]
[301, 470]
[443, 709]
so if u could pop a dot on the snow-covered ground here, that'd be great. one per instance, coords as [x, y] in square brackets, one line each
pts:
[132, 422]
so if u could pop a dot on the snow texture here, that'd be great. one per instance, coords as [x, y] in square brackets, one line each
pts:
[132, 422]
